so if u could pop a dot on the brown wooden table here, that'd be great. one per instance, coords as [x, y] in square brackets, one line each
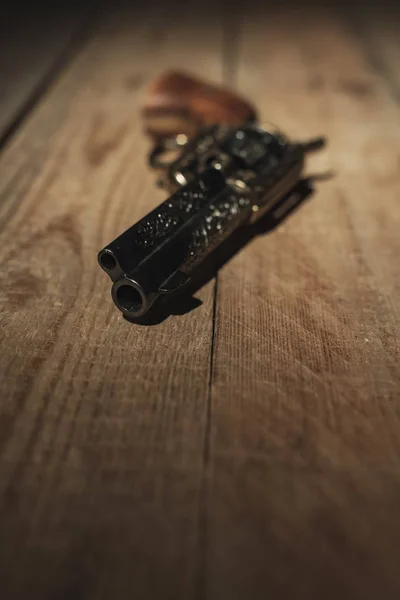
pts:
[248, 449]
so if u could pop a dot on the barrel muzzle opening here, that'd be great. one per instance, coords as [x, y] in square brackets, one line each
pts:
[107, 260]
[130, 298]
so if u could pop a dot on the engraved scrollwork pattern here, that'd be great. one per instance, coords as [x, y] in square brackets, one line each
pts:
[220, 216]
[217, 222]
[159, 224]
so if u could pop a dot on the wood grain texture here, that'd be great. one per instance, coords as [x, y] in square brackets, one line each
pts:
[378, 27]
[102, 422]
[123, 474]
[304, 454]
[35, 42]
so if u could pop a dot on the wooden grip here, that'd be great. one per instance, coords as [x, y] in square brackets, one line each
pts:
[179, 103]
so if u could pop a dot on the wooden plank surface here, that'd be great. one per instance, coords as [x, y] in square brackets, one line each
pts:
[304, 454]
[102, 423]
[35, 42]
[378, 27]
[123, 474]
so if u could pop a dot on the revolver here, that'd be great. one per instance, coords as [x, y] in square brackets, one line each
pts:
[222, 178]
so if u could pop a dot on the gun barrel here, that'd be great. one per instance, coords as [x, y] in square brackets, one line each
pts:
[158, 254]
